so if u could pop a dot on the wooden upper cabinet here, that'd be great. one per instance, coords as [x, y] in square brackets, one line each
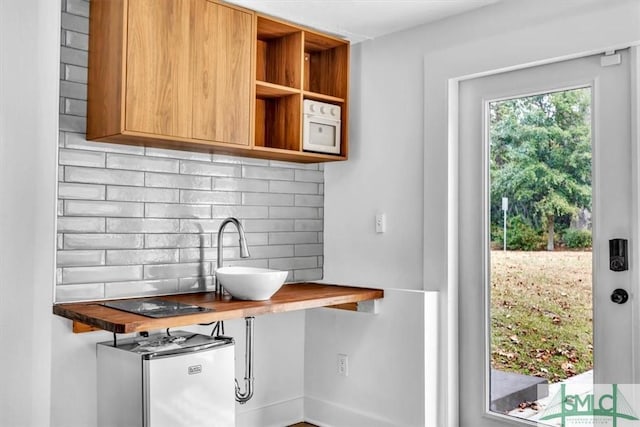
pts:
[204, 75]
[221, 51]
[170, 73]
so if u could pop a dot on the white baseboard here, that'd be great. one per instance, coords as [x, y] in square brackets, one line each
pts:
[330, 414]
[278, 414]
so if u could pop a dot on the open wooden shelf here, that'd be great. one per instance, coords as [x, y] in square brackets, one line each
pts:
[294, 63]
[291, 297]
[278, 48]
[322, 97]
[279, 122]
[271, 90]
[326, 65]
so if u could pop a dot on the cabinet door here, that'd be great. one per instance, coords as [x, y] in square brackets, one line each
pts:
[221, 53]
[158, 77]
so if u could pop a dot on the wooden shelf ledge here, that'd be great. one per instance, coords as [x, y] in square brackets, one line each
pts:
[89, 316]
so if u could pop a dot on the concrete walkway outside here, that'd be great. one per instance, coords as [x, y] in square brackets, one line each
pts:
[580, 384]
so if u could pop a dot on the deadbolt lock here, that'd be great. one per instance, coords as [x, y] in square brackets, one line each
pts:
[619, 296]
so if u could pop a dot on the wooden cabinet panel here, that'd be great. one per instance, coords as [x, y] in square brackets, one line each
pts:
[159, 86]
[105, 89]
[221, 53]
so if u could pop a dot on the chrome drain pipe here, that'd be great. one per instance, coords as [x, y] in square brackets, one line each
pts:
[248, 365]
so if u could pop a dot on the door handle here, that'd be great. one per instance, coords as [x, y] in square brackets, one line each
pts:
[619, 296]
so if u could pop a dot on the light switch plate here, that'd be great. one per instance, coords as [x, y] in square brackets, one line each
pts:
[381, 223]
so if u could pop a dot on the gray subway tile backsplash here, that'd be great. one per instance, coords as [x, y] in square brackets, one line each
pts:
[80, 258]
[142, 225]
[247, 262]
[188, 167]
[68, 190]
[175, 210]
[309, 176]
[77, 7]
[177, 181]
[103, 241]
[296, 237]
[119, 273]
[308, 225]
[71, 56]
[210, 197]
[75, 23]
[202, 254]
[307, 274]
[162, 271]
[142, 256]
[175, 154]
[81, 158]
[240, 184]
[294, 212]
[72, 123]
[196, 284]
[77, 140]
[262, 172]
[103, 208]
[80, 292]
[199, 225]
[293, 263]
[136, 221]
[273, 251]
[136, 163]
[177, 240]
[75, 107]
[76, 40]
[309, 249]
[103, 176]
[293, 187]
[74, 73]
[309, 200]
[269, 225]
[267, 199]
[72, 224]
[142, 194]
[240, 211]
[72, 89]
[141, 288]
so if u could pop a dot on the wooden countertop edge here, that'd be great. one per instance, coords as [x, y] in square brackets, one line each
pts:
[291, 297]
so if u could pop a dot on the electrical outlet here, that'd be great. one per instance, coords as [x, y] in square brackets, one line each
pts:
[381, 223]
[343, 365]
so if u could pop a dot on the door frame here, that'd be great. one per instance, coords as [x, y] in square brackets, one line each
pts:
[450, 375]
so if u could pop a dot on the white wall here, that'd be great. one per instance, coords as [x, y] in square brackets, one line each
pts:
[400, 164]
[29, 38]
[385, 386]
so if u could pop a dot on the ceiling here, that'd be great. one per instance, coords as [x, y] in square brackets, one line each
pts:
[358, 20]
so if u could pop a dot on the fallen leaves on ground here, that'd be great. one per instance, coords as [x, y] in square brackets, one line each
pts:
[541, 313]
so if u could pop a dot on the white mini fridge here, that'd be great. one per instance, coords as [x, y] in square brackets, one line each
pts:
[182, 379]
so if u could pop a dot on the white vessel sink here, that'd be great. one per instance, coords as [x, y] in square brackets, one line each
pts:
[251, 283]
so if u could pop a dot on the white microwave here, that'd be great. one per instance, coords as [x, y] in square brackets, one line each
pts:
[321, 127]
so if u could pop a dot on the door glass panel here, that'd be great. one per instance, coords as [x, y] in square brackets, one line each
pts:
[541, 331]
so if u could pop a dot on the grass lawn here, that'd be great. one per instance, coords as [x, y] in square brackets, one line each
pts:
[541, 313]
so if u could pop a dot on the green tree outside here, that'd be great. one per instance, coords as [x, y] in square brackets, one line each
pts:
[541, 159]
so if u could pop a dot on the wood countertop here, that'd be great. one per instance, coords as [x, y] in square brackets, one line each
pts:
[291, 297]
